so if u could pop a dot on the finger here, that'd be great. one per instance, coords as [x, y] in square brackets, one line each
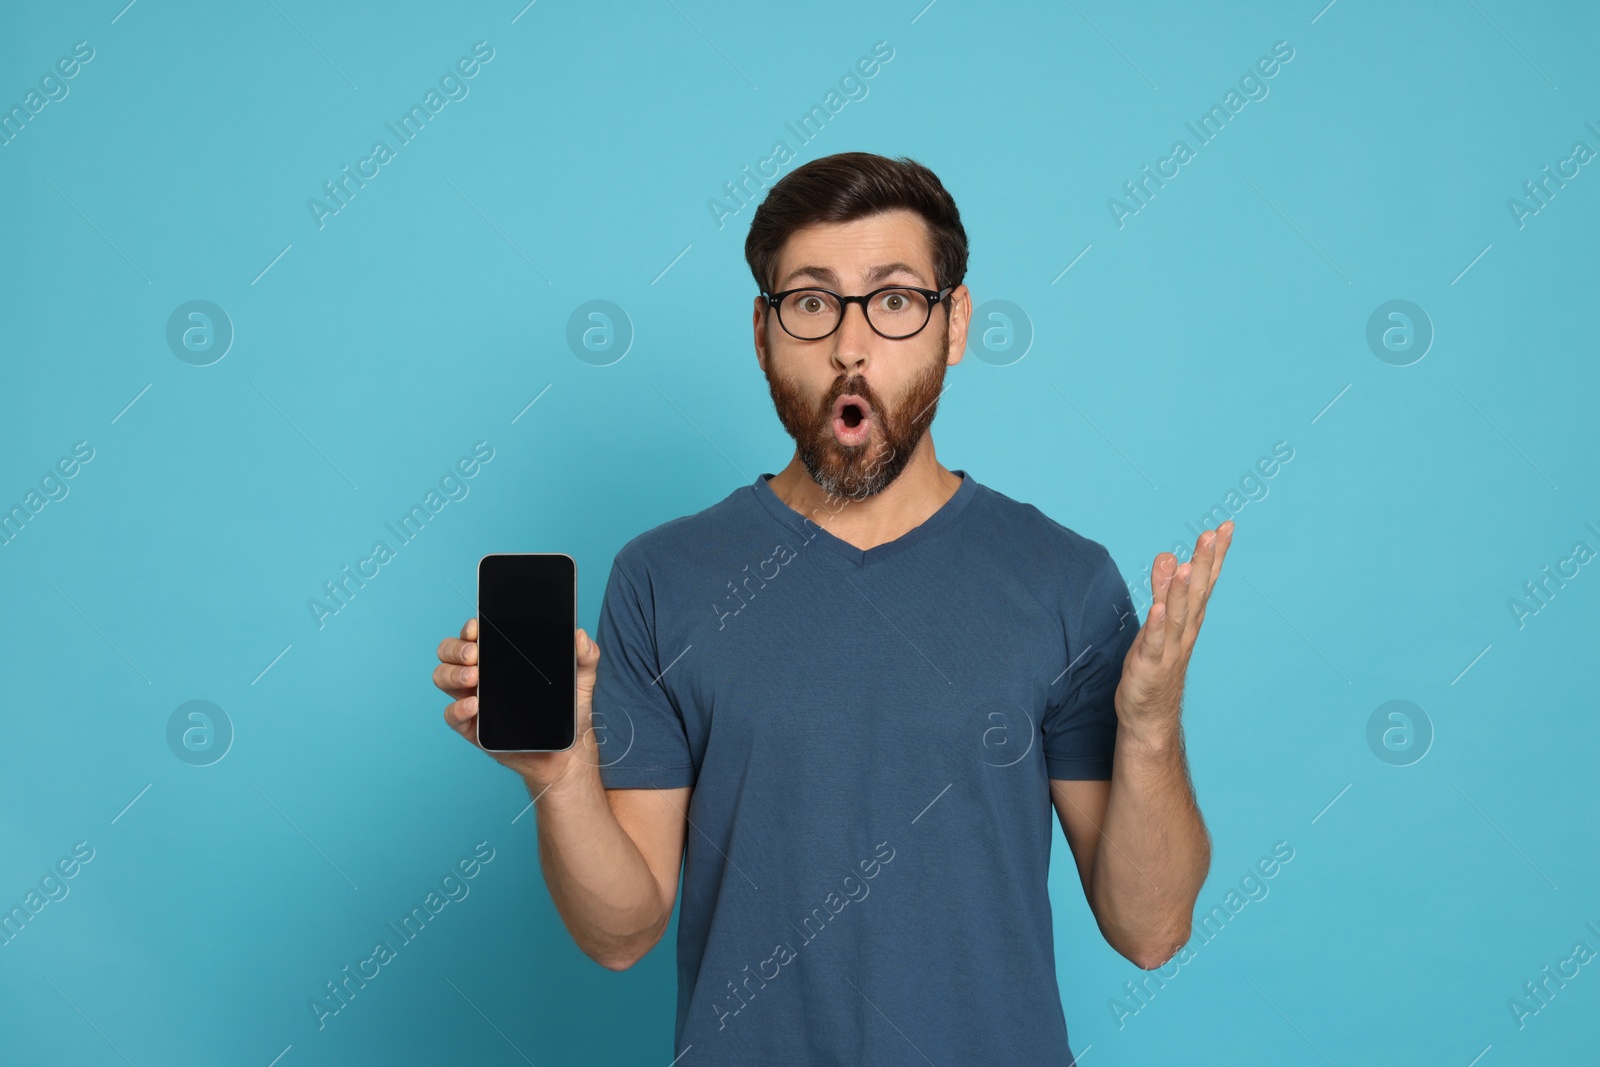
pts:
[455, 650]
[588, 668]
[469, 733]
[455, 679]
[1178, 603]
[1160, 585]
[462, 717]
[1204, 558]
[1224, 540]
[469, 629]
[1155, 633]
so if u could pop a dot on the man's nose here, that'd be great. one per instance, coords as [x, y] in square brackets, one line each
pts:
[854, 337]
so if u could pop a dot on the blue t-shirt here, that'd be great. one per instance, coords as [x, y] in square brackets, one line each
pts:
[869, 734]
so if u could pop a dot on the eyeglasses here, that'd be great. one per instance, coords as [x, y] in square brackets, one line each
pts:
[895, 312]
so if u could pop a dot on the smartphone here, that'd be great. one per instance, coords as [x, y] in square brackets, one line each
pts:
[527, 660]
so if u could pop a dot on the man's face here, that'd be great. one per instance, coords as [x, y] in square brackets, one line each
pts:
[816, 385]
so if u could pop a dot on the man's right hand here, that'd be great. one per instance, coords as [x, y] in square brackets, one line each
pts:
[611, 857]
[457, 676]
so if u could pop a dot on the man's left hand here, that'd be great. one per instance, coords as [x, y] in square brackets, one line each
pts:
[1150, 694]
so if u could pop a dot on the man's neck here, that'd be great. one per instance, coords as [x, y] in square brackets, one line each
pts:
[921, 489]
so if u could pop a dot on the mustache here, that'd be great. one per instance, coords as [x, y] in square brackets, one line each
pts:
[856, 386]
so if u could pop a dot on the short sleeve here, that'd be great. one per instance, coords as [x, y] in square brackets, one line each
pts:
[641, 737]
[1080, 725]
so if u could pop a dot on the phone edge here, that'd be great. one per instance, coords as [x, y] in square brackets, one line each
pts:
[477, 609]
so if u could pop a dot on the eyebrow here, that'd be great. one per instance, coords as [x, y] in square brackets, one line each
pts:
[826, 276]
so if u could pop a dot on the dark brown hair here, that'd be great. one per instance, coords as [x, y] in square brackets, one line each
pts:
[851, 185]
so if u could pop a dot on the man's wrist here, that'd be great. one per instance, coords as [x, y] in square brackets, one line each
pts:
[1153, 740]
[580, 779]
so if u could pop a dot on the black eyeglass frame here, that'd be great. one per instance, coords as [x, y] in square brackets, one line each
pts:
[932, 296]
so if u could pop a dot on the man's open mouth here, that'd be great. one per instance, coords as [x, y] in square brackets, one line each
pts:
[852, 409]
[852, 418]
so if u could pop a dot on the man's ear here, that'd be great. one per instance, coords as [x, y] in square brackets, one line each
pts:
[756, 323]
[960, 313]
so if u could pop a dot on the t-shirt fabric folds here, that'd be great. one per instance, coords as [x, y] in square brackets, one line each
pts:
[870, 735]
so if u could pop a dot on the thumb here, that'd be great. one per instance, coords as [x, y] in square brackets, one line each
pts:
[588, 663]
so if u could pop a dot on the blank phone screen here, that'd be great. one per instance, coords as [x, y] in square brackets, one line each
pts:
[527, 670]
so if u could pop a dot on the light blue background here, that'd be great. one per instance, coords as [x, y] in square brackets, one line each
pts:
[1229, 314]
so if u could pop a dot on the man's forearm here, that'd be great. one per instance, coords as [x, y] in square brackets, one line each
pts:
[602, 887]
[1154, 851]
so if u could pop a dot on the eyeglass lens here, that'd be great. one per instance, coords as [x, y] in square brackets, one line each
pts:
[812, 313]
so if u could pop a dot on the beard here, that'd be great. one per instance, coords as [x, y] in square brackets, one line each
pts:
[856, 472]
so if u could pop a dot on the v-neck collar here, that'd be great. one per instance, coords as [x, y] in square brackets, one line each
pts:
[796, 522]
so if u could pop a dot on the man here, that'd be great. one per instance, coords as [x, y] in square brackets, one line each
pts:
[845, 697]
